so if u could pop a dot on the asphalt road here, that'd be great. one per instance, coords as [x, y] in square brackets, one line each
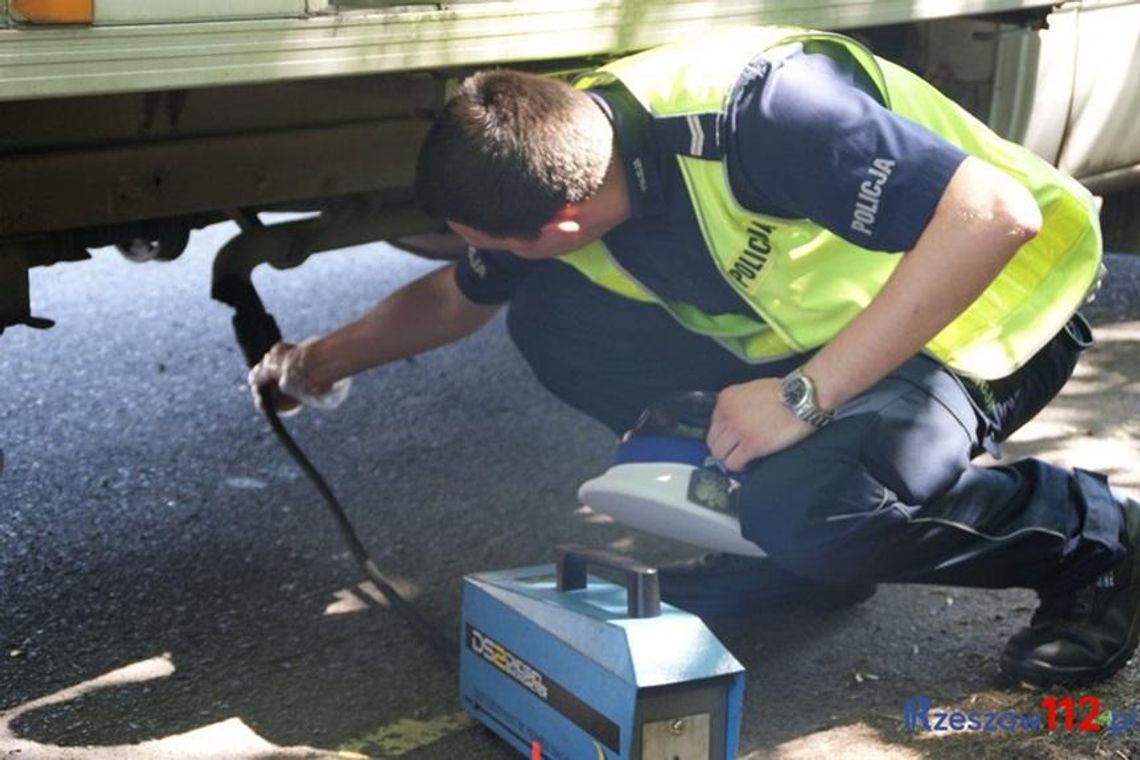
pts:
[171, 587]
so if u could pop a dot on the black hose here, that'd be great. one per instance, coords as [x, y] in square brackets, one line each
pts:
[446, 648]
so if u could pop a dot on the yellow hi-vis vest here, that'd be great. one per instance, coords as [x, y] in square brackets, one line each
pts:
[805, 282]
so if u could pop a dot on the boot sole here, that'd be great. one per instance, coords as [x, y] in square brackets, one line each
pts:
[1042, 674]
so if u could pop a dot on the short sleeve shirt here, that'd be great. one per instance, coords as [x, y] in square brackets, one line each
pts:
[801, 135]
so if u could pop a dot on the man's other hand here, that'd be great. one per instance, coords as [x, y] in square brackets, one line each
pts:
[751, 421]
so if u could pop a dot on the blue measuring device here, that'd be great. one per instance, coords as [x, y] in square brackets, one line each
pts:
[563, 665]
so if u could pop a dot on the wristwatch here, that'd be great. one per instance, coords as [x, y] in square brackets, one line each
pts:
[798, 393]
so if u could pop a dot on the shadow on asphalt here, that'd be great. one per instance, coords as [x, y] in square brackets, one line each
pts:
[242, 611]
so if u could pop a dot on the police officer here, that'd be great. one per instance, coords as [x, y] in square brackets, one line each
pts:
[877, 286]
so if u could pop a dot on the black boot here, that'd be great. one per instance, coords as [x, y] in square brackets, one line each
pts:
[723, 585]
[1088, 634]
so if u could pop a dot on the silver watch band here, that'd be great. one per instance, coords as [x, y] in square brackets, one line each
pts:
[798, 394]
[814, 416]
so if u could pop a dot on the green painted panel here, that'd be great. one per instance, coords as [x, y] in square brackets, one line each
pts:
[45, 62]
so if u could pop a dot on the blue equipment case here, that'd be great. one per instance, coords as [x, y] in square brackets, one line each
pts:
[566, 666]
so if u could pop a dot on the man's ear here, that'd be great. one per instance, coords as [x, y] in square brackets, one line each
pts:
[565, 221]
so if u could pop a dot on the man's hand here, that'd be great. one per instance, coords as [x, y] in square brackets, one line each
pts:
[750, 421]
[428, 312]
[282, 370]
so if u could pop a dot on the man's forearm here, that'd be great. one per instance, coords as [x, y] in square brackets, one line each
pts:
[424, 314]
[981, 221]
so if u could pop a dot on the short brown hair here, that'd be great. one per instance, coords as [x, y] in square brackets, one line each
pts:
[509, 150]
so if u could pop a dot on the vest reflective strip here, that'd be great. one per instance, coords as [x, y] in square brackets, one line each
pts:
[807, 283]
[747, 339]
[697, 145]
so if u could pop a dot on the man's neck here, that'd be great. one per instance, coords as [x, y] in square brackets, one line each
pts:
[608, 207]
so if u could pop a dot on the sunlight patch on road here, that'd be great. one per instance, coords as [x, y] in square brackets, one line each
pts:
[1095, 421]
[625, 544]
[406, 735]
[231, 739]
[354, 599]
[246, 484]
[855, 742]
[592, 517]
[345, 602]
[138, 672]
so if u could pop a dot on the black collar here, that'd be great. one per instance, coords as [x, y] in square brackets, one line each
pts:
[633, 127]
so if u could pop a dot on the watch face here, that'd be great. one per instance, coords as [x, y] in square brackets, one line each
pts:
[795, 391]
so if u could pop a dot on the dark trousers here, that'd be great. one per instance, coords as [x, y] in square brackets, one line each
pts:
[887, 492]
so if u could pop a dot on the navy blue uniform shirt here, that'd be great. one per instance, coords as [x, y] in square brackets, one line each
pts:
[801, 136]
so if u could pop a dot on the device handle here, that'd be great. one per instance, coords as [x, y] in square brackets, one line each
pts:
[643, 590]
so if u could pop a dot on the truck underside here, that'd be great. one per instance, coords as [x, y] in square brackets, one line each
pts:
[134, 133]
